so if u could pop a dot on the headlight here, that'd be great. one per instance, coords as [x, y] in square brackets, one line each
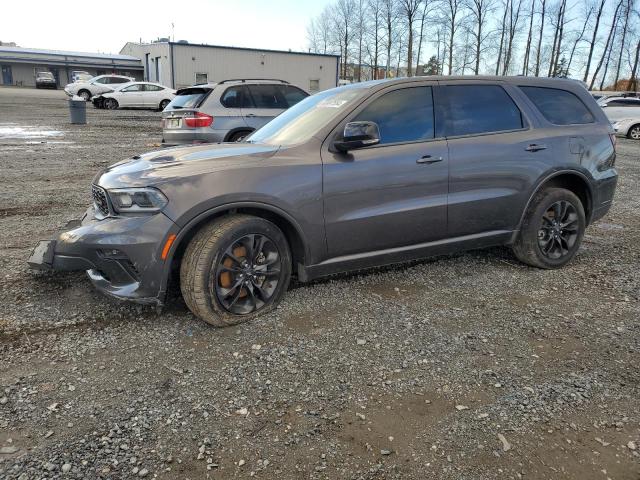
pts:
[126, 200]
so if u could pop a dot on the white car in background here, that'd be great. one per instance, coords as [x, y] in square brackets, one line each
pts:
[96, 85]
[618, 108]
[136, 95]
[628, 127]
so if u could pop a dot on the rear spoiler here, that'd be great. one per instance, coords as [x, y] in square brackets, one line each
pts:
[194, 89]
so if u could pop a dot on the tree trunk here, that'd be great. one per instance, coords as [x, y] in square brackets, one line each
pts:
[480, 17]
[579, 39]
[538, 52]
[410, 48]
[624, 36]
[633, 81]
[606, 65]
[563, 9]
[552, 61]
[420, 38]
[527, 52]
[606, 47]
[592, 44]
[502, 34]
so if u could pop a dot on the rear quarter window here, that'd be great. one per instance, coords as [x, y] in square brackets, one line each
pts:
[559, 107]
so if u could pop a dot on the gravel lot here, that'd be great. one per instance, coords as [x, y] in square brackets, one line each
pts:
[465, 367]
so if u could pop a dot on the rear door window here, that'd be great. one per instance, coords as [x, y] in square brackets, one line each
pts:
[236, 97]
[118, 80]
[404, 115]
[559, 107]
[478, 109]
[268, 96]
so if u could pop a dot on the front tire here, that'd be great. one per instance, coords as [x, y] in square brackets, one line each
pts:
[234, 269]
[552, 229]
[110, 104]
[85, 94]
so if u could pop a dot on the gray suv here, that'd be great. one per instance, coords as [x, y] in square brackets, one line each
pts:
[359, 176]
[226, 111]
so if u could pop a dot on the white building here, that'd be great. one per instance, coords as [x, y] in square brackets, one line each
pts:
[181, 64]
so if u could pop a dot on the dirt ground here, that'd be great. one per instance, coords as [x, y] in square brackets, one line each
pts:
[471, 366]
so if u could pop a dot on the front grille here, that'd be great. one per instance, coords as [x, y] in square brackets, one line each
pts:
[100, 200]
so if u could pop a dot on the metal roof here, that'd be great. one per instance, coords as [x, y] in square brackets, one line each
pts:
[183, 43]
[64, 53]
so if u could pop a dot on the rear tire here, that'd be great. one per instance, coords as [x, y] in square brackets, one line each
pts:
[163, 104]
[234, 269]
[552, 229]
[634, 132]
[238, 136]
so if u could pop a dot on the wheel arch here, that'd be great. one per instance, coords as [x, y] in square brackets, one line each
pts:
[233, 131]
[289, 227]
[572, 180]
[633, 125]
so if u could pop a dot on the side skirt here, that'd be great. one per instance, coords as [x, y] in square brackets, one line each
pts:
[392, 256]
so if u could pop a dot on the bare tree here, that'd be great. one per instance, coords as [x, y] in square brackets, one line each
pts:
[633, 81]
[594, 37]
[503, 34]
[557, 37]
[360, 7]
[527, 50]
[409, 10]
[580, 37]
[480, 11]
[390, 15]
[625, 29]
[606, 47]
[343, 18]
[539, 49]
[423, 18]
[616, 21]
[375, 11]
[452, 11]
[514, 17]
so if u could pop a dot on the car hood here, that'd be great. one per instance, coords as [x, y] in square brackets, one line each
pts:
[158, 167]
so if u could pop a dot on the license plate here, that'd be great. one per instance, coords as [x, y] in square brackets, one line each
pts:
[173, 122]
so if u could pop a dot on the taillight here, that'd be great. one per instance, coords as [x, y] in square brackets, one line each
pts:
[199, 120]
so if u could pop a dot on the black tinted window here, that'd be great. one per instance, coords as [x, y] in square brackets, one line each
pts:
[119, 80]
[473, 109]
[267, 96]
[624, 103]
[292, 94]
[236, 97]
[404, 115]
[559, 106]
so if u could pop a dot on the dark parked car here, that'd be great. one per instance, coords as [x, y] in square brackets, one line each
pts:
[358, 176]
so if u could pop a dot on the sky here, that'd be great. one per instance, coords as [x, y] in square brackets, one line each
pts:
[273, 24]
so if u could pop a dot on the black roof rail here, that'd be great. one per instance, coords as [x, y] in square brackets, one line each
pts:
[244, 80]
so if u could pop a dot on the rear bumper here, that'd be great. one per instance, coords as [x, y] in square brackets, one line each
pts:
[122, 255]
[196, 135]
[605, 187]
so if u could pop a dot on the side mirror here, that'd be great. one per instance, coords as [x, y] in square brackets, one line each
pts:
[358, 135]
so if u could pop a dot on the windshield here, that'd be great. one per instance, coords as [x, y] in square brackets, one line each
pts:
[45, 75]
[304, 119]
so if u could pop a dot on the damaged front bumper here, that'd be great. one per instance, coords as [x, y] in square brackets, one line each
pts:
[122, 255]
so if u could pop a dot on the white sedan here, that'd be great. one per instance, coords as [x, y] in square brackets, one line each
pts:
[628, 127]
[136, 95]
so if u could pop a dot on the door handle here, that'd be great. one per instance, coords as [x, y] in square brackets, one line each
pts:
[534, 147]
[428, 159]
[250, 115]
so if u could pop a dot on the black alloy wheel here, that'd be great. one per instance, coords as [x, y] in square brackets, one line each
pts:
[247, 274]
[559, 230]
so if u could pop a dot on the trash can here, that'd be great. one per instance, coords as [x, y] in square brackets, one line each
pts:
[78, 110]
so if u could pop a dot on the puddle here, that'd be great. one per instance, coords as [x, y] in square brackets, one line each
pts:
[609, 226]
[18, 132]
